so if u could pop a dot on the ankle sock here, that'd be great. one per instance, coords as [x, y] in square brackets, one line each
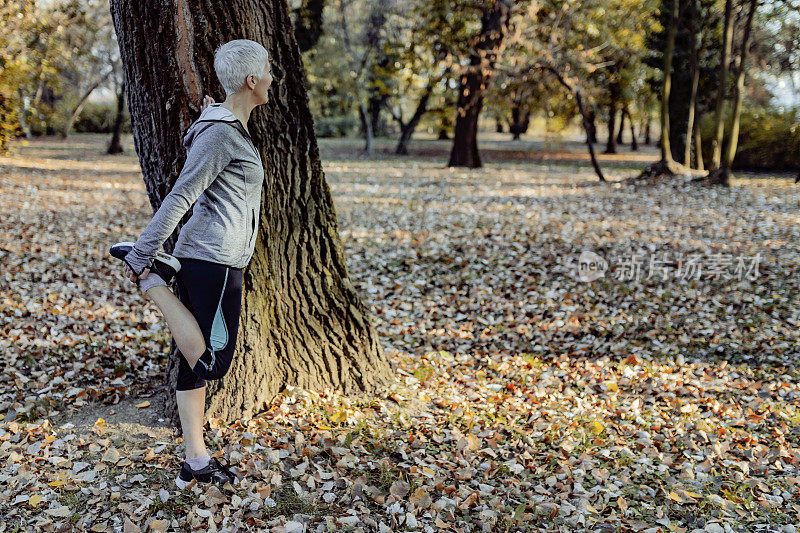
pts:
[196, 463]
[152, 280]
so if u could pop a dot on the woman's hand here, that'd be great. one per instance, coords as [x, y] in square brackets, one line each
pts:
[207, 101]
[132, 276]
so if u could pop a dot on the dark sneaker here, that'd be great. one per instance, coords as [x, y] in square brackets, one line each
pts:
[164, 264]
[214, 471]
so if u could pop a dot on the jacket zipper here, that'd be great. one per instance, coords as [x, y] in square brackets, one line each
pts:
[252, 228]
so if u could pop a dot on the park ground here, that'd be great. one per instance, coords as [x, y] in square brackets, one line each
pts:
[525, 398]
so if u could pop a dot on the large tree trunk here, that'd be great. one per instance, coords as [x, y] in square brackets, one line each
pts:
[115, 146]
[302, 321]
[494, 22]
[719, 119]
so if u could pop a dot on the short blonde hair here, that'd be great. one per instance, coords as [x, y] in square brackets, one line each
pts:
[235, 60]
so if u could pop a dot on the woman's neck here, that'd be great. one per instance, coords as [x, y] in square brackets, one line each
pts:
[239, 105]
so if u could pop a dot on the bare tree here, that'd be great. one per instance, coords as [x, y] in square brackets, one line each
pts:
[115, 145]
[721, 176]
[724, 65]
[358, 57]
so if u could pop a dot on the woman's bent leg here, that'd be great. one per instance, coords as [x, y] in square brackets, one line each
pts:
[181, 322]
[214, 296]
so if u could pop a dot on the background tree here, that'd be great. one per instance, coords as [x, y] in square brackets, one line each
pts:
[722, 175]
[16, 68]
[308, 23]
[115, 145]
[54, 49]
[667, 164]
[94, 58]
[360, 52]
[473, 80]
[424, 42]
[722, 87]
[696, 41]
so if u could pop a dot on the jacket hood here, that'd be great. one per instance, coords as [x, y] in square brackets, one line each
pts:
[213, 113]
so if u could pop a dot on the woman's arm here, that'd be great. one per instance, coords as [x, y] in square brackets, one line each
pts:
[208, 154]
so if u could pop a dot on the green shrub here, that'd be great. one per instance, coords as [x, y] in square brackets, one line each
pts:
[334, 126]
[98, 117]
[769, 139]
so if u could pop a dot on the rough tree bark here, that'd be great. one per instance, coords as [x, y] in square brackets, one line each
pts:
[494, 21]
[302, 321]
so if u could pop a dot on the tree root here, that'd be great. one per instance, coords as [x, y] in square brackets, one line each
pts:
[667, 170]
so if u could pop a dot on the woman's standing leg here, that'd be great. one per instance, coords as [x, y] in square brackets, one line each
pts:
[213, 294]
[208, 304]
[190, 393]
[191, 344]
[191, 409]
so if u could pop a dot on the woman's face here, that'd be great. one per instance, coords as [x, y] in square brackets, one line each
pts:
[262, 85]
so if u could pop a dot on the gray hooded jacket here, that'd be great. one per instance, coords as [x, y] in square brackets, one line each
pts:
[224, 174]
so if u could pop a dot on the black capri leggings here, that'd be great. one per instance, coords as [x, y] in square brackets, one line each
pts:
[213, 293]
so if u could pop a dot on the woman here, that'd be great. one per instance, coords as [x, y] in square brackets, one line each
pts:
[223, 173]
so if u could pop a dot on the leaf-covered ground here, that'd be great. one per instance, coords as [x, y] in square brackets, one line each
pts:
[526, 399]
